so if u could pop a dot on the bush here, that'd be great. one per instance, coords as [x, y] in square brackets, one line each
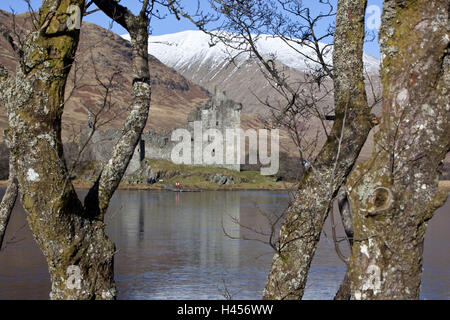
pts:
[290, 169]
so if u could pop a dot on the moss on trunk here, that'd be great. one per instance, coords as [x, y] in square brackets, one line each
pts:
[70, 234]
[395, 193]
[301, 231]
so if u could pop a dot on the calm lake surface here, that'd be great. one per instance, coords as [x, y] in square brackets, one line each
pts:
[172, 246]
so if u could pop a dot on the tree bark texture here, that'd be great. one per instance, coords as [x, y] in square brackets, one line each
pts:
[344, 291]
[300, 232]
[8, 200]
[395, 193]
[71, 234]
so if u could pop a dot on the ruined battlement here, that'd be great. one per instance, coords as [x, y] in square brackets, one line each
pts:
[219, 113]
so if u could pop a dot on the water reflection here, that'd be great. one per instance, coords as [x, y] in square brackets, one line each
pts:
[172, 246]
[177, 246]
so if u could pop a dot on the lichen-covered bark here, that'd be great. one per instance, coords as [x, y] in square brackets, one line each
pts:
[8, 200]
[395, 193]
[71, 236]
[135, 123]
[345, 213]
[34, 99]
[301, 231]
[12, 190]
[344, 291]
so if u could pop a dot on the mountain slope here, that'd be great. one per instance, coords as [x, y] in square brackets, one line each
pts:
[190, 53]
[183, 49]
[102, 53]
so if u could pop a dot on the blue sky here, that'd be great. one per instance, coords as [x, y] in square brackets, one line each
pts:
[171, 25]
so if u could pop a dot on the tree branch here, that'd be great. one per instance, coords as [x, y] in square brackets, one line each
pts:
[9, 198]
[117, 12]
[97, 200]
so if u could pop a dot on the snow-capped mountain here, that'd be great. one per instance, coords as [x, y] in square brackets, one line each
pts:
[190, 53]
[179, 50]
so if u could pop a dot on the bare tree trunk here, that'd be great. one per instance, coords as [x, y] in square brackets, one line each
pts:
[10, 196]
[132, 129]
[345, 212]
[9, 199]
[395, 193]
[301, 231]
[344, 291]
[71, 236]
[78, 253]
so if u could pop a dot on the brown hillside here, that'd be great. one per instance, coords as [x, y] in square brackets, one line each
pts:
[102, 52]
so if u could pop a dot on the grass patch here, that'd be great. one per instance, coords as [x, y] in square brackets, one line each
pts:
[193, 177]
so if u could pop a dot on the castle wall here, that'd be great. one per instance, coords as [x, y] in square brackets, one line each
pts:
[218, 113]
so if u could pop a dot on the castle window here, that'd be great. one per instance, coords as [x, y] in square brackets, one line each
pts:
[217, 123]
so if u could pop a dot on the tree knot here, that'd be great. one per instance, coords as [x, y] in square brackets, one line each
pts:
[380, 200]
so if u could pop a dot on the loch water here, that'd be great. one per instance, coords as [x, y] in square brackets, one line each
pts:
[173, 246]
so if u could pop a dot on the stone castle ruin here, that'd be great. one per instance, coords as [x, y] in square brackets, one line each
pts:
[219, 113]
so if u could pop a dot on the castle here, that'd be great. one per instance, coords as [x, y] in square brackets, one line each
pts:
[219, 113]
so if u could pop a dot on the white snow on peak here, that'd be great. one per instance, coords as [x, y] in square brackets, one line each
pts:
[183, 49]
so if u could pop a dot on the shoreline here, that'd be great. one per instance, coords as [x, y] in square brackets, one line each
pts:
[193, 188]
[281, 186]
[288, 186]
